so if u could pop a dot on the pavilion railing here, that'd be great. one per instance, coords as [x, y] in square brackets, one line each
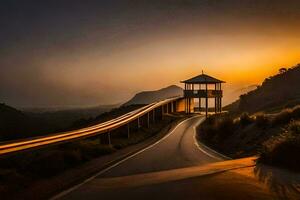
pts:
[203, 93]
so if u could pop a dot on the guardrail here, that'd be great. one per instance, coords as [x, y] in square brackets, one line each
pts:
[102, 128]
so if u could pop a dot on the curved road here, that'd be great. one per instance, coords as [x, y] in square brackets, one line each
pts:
[176, 150]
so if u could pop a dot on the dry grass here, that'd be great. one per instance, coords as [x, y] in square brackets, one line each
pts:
[244, 135]
[284, 149]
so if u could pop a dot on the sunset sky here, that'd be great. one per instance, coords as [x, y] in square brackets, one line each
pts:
[56, 53]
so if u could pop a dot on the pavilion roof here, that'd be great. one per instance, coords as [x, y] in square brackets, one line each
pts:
[203, 78]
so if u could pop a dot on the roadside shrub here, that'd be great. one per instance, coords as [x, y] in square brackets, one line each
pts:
[47, 165]
[282, 118]
[245, 119]
[225, 126]
[285, 116]
[217, 128]
[294, 128]
[90, 148]
[11, 176]
[262, 121]
[296, 112]
[283, 150]
[73, 157]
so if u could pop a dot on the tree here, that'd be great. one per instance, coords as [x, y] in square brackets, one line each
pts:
[282, 70]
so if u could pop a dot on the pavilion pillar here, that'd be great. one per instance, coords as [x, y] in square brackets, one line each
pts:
[216, 109]
[216, 104]
[189, 111]
[199, 105]
[206, 101]
[220, 98]
[189, 105]
[191, 87]
[220, 105]
[190, 102]
[185, 105]
[199, 99]
[185, 98]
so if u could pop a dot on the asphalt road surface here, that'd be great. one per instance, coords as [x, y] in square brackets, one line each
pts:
[177, 149]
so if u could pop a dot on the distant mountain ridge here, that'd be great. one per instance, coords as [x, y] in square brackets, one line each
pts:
[276, 92]
[147, 97]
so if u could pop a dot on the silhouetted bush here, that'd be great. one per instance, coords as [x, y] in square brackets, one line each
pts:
[262, 121]
[282, 118]
[216, 129]
[285, 116]
[296, 112]
[47, 165]
[73, 157]
[226, 127]
[283, 150]
[245, 119]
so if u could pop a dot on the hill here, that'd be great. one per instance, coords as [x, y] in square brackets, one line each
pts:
[153, 96]
[60, 119]
[276, 92]
[16, 124]
[271, 131]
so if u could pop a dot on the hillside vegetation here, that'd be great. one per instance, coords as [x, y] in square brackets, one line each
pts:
[271, 130]
[245, 135]
[275, 93]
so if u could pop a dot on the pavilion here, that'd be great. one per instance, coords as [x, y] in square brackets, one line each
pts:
[203, 87]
